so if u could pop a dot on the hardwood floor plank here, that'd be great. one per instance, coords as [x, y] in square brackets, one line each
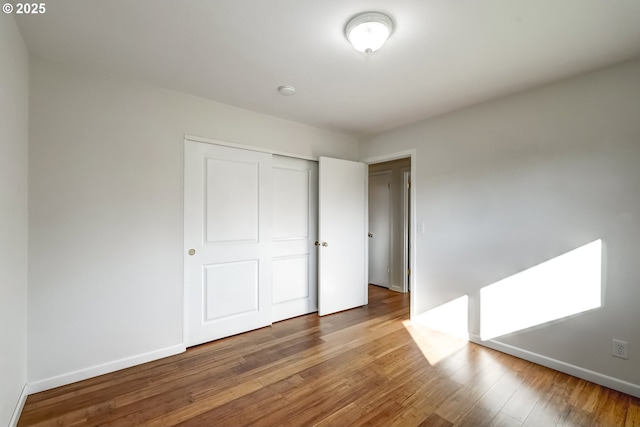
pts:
[585, 396]
[368, 366]
[612, 408]
[489, 405]
[245, 410]
[464, 400]
[504, 420]
[551, 407]
[203, 404]
[434, 420]
[633, 413]
[346, 415]
[536, 384]
[576, 417]
[431, 395]
[381, 415]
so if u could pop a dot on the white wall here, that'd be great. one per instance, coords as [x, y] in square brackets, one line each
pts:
[106, 171]
[508, 184]
[13, 217]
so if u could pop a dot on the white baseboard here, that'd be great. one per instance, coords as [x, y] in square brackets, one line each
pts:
[395, 287]
[105, 368]
[567, 368]
[18, 410]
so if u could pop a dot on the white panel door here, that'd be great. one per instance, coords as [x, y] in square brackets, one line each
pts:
[227, 241]
[342, 278]
[295, 227]
[380, 228]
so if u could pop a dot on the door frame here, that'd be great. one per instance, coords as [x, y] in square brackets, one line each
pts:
[406, 226]
[248, 147]
[412, 225]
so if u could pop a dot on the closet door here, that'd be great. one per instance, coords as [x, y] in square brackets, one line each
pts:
[295, 228]
[228, 237]
[250, 223]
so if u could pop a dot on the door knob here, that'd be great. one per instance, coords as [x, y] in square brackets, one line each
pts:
[325, 244]
[317, 243]
[370, 235]
[192, 252]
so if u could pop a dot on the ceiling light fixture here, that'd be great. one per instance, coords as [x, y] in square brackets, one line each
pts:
[368, 31]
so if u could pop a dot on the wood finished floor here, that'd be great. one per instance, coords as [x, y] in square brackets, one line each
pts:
[367, 366]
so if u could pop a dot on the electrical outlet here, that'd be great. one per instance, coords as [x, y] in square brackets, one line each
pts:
[620, 349]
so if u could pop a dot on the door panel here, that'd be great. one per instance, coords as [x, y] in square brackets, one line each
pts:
[230, 289]
[342, 279]
[290, 279]
[295, 227]
[238, 221]
[291, 198]
[380, 228]
[228, 228]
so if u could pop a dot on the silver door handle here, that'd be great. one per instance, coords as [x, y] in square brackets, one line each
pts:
[325, 244]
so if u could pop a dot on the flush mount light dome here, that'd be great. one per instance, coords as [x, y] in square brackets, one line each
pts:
[368, 31]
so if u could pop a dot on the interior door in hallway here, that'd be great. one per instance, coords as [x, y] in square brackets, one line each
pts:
[227, 241]
[380, 228]
[295, 229]
[342, 278]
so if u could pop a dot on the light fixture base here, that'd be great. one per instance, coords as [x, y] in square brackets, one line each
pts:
[286, 90]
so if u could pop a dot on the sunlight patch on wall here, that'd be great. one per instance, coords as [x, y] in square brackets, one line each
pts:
[441, 331]
[451, 318]
[563, 286]
[434, 345]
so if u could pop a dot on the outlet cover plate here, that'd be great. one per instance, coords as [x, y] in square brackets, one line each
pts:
[620, 349]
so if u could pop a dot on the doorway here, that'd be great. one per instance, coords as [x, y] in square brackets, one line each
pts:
[391, 209]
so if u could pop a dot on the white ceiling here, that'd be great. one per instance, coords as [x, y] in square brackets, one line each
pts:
[443, 55]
